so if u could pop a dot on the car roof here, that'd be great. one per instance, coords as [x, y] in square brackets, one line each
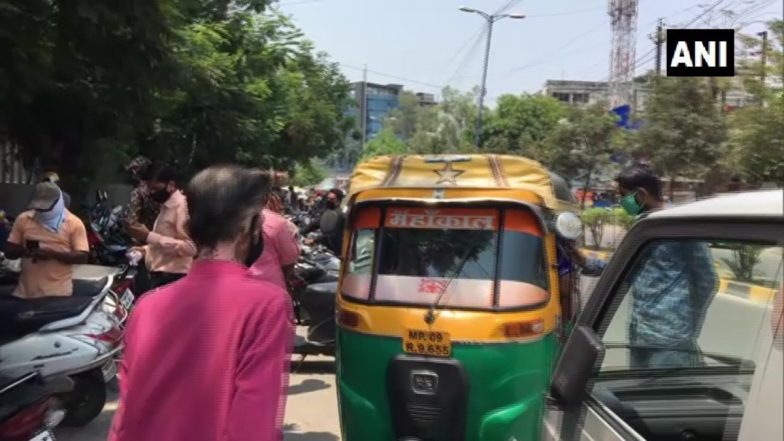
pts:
[767, 203]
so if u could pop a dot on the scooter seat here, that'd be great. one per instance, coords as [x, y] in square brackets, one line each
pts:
[19, 317]
[88, 288]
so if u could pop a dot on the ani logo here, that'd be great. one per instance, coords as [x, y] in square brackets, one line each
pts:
[700, 52]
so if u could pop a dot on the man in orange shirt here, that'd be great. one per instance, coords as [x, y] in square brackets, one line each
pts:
[169, 250]
[50, 240]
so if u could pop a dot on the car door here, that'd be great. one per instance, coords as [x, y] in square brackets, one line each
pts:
[684, 315]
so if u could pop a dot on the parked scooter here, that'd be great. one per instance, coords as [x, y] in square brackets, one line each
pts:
[28, 409]
[74, 337]
[313, 292]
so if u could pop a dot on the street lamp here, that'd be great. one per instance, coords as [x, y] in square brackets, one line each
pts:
[490, 19]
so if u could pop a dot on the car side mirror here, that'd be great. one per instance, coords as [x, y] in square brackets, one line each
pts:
[576, 367]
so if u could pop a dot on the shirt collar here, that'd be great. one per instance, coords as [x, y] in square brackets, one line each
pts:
[223, 267]
[176, 199]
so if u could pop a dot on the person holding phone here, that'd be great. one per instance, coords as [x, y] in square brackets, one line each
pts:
[50, 240]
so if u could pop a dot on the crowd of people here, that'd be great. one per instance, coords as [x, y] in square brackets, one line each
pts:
[219, 252]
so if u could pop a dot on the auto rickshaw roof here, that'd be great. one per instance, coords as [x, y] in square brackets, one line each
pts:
[455, 171]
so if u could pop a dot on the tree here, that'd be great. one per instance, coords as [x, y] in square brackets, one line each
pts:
[85, 85]
[384, 143]
[683, 131]
[757, 142]
[596, 219]
[580, 145]
[447, 127]
[307, 174]
[519, 124]
[403, 120]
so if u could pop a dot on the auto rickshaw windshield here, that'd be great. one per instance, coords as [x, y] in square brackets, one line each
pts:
[475, 264]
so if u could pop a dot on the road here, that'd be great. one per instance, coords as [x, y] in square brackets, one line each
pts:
[311, 412]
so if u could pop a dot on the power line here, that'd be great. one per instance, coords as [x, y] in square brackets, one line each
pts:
[300, 2]
[559, 14]
[556, 52]
[394, 77]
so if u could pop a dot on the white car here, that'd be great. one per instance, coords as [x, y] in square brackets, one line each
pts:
[682, 338]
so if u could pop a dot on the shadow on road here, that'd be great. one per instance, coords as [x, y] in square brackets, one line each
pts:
[313, 367]
[309, 385]
[310, 436]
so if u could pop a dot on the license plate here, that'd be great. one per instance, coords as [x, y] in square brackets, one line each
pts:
[109, 371]
[433, 343]
[44, 436]
[127, 299]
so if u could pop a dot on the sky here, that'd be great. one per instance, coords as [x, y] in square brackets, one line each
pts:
[429, 44]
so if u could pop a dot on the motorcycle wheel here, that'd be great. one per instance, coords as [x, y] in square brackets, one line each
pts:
[86, 401]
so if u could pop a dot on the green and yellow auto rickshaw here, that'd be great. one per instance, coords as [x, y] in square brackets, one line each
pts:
[449, 312]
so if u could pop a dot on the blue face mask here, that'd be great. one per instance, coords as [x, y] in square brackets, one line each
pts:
[52, 219]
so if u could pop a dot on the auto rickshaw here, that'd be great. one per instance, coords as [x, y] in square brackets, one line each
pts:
[448, 309]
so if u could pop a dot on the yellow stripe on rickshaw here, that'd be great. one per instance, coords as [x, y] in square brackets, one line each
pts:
[462, 326]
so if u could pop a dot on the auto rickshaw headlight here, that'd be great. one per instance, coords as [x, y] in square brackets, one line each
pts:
[569, 226]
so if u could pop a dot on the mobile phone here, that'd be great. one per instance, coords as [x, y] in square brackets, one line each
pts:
[32, 245]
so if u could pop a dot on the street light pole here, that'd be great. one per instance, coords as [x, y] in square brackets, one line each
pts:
[483, 90]
[490, 19]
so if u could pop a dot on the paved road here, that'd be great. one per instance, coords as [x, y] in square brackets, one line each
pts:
[311, 412]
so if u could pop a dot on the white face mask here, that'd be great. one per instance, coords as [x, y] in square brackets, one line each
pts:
[53, 219]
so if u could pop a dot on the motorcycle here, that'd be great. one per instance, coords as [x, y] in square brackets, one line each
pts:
[313, 291]
[75, 337]
[106, 235]
[28, 409]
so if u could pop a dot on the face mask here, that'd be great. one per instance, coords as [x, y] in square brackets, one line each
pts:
[160, 196]
[331, 204]
[630, 204]
[256, 246]
[52, 219]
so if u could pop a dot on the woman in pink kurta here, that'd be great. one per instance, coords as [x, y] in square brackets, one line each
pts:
[206, 358]
[281, 249]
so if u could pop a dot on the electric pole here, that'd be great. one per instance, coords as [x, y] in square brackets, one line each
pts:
[483, 91]
[764, 57]
[363, 109]
[659, 40]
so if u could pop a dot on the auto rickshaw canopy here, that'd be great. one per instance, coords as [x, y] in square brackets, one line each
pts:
[468, 172]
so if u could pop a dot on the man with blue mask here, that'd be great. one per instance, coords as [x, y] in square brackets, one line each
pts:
[670, 290]
[50, 240]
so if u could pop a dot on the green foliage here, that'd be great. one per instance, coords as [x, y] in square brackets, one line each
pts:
[520, 124]
[683, 132]
[757, 142]
[447, 127]
[595, 219]
[744, 259]
[199, 81]
[623, 219]
[385, 143]
[307, 174]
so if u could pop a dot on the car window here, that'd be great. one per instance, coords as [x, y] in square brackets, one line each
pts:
[691, 330]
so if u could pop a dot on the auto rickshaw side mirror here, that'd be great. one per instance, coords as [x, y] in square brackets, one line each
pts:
[568, 225]
[576, 367]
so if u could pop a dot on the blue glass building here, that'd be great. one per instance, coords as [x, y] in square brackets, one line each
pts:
[373, 102]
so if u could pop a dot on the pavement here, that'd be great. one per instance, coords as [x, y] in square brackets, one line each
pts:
[311, 410]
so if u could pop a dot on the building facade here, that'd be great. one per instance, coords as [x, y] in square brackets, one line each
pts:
[373, 102]
[584, 93]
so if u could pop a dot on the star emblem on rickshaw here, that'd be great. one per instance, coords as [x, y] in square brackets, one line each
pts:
[448, 174]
